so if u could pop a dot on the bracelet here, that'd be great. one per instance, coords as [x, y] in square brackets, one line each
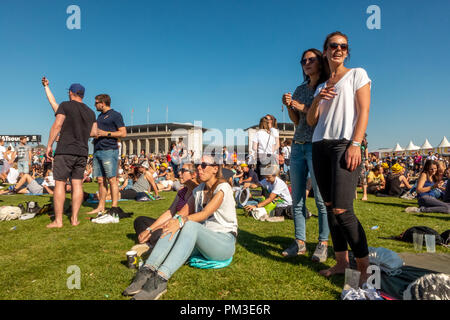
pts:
[356, 144]
[176, 216]
[149, 230]
[180, 220]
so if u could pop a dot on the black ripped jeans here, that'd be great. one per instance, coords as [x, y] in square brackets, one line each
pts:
[337, 186]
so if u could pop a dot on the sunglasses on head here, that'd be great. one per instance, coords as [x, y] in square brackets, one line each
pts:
[203, 165]
[334, 45]
[306, 60]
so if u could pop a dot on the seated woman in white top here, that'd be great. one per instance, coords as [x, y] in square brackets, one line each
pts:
[206, 225]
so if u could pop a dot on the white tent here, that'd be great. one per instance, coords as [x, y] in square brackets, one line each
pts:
[411, 147]
[397, 148]
[444, 143]
[426, 145]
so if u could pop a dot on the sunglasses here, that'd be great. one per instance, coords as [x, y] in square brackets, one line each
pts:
[204, 165]
[334, 45]
[183, 170]
[306, 60]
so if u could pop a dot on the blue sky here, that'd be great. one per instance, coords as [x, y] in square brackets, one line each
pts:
[226, 63]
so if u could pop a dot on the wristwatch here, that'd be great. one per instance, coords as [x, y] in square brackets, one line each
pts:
[109, 134]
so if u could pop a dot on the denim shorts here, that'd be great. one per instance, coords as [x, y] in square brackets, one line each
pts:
[23, 167]
[105, 163]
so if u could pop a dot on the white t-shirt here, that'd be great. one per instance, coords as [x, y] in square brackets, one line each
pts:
[280, 188]
[12, 175]
[2, 149]
[265, 141]
[224, 219]
[286, 152]
[49, 181]
[338, 116]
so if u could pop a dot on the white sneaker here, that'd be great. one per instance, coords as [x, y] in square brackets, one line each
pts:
[107, 218]
[352, 294]
[412, 209]
[371, 293]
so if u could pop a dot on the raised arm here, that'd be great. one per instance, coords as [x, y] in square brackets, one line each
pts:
[50, 97]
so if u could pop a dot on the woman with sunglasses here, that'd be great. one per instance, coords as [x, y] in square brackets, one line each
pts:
[427, 185]
[340, 112]
[314, 73]
[207, 225]
[148, 230]
[265, 145]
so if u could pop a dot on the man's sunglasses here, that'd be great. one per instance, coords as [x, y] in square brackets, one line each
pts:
[306, 60]
[334, 45]
[183, 170]
[203, 165]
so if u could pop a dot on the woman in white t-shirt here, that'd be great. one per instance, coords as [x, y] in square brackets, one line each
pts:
[210, 231]
[340, 112]
[265, 144]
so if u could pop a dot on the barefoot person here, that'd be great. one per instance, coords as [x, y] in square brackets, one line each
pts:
[298, 104]
[110, 127]
[75, 123]
[340, 112]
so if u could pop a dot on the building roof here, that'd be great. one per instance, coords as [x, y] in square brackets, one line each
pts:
[153, 127]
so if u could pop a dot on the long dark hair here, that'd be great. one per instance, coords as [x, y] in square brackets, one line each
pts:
[427, 166]
[323, 68]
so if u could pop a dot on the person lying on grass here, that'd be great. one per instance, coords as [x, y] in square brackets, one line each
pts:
[206, 225]
[148, 230]
[33, 186]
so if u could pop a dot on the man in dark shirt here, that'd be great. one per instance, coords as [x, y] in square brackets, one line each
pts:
[75, 123]
[250, 177]
[106, 152]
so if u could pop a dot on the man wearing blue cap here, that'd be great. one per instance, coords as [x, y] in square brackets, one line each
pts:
[75, 123]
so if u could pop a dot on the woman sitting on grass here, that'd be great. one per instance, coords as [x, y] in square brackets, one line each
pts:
[207, 225]
[396, 183]
[148, 230]
[426, 187]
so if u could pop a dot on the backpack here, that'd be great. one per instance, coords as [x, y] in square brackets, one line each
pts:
[445, 237]
[407, 236]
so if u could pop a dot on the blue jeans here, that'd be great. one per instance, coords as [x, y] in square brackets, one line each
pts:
[300, 165]
[105, 163]
[169, 255]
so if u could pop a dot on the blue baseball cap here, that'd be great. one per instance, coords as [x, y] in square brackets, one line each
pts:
[77, 88]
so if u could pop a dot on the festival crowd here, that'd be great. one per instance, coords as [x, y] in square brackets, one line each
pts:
[327, 158]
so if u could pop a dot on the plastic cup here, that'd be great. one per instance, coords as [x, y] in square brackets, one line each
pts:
[430, 241]
[352, 279]
[418, 241]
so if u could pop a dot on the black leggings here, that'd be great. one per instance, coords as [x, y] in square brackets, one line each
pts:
[142, 223]
[337, 186]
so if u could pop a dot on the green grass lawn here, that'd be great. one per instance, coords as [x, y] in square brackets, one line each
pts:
[34, 260]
